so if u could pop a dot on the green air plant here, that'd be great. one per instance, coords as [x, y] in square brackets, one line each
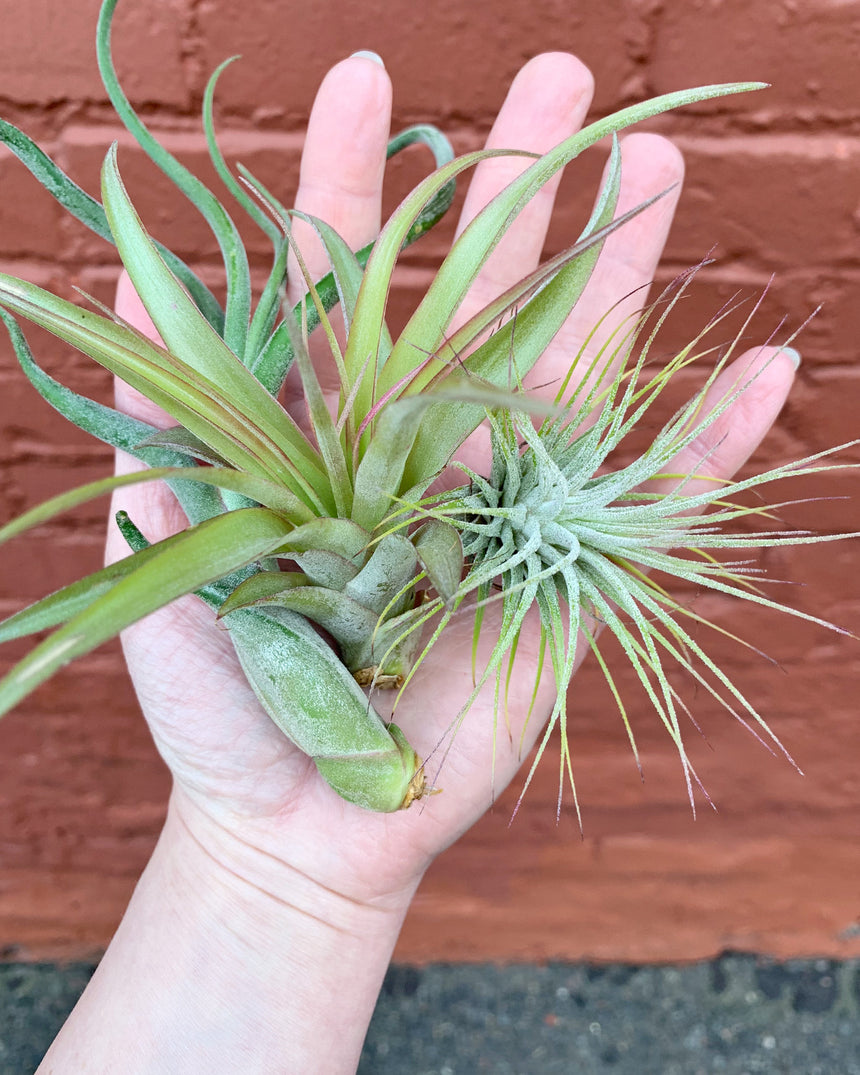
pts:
[566, 522]
[336, 527]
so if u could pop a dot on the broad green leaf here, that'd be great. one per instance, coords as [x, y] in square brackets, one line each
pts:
[90, 213]
[440, 551]
[384, 584]
[362, 638]
[369, 316]
[191, 339]
[347, 621]
[260, 588]
[378, 478]
[426, 328]
[200, 555]
[323, 710]
[272, 496]
[329, 551]
[141, 364]
[195, 402]
[213, 593]
[341, 536]
[324, 568]
[232, 250]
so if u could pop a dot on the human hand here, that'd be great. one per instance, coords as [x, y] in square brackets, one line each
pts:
[260, 931]
[233, 768]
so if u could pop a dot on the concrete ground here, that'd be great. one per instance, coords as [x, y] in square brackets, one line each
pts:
[737, 1015]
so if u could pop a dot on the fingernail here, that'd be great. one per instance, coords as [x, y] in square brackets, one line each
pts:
[792, 356]
[368, 55]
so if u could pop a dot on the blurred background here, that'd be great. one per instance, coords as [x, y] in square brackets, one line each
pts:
[772, 186]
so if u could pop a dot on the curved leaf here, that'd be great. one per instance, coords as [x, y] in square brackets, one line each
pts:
[200, 555]
[443, 153]
[272, 496]
[426, 328]
[314, 700]
[90, 212]
[232, 250]
[191, 338]
[217, 158]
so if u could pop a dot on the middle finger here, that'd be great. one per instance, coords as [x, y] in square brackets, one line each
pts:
[547, 102]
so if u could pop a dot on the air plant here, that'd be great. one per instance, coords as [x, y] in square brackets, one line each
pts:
[338, 527]
[565, 522]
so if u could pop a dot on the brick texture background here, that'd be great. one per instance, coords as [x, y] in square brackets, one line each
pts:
[773, 181]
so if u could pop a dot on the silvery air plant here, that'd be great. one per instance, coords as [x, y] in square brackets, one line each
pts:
[339, 528]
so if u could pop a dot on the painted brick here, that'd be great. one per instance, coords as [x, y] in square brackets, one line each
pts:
[821, 411]
[479, 898]
[778, 197]
[55, 913]
[791, 298]
[765, 200]
[833, 333]
[446, 910]
[807, 49]
[47, 52]
[272, 157]
[772, 180]
[445, 59]
[635, 897]
[32, 426]
[47, 559]
[29, 217]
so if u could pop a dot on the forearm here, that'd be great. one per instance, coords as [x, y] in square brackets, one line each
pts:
[212, 972]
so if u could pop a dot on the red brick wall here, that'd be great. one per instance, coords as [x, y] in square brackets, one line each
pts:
[772, 179]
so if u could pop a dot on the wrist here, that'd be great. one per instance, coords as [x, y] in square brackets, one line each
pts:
[229, 959]
[298, 962]
[271, 868]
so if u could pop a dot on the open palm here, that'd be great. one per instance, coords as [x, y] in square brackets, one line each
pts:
[238, 780]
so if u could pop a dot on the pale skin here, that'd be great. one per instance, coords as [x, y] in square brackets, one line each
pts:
[259, 933]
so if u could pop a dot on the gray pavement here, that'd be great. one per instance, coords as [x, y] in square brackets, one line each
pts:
[737, 1015]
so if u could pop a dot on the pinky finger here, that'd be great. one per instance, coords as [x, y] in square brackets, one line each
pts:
[760, 379]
